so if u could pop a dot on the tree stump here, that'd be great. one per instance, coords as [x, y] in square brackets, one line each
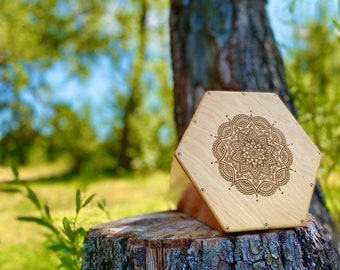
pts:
[174, 240]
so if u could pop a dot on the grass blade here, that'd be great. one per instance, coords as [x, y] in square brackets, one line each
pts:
[88, 200]
[33, 197]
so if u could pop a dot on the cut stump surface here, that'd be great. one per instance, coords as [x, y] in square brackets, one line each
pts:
[174, 240]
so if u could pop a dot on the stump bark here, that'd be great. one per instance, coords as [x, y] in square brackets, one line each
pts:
[174, 240]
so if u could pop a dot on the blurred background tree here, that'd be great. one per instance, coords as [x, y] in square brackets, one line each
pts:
[35, 35]
[72, 37]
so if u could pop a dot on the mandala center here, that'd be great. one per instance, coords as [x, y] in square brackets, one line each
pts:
[253, 155]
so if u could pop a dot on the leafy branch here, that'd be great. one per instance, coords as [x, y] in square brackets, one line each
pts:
[66, 241]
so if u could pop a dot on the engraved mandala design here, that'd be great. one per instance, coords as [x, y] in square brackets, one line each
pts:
[253, 155]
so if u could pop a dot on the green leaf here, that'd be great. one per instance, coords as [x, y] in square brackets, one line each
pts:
[67, 262]
[39, 221]
[15, 172]
[81, 232]
[10, 189]
[67, 229]
[47, 212]
[60, 246]
[102, 204]
[33, 197]
[88, 200]
[336, 23]
[78, 201]
[292, 6]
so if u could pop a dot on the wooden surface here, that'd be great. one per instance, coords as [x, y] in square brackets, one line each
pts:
[238, 204]
[173, 240]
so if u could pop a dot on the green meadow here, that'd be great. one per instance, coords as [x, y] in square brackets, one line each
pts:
[23, 245]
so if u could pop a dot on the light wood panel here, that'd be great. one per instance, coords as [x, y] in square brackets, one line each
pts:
[250, 160]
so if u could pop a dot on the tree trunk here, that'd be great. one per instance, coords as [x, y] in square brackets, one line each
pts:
[132, 106]
[173, 240]
[228, 45]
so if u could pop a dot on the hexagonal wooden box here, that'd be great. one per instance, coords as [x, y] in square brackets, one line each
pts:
[249, 160]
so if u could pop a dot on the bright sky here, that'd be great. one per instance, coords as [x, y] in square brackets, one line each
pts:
[283, 20]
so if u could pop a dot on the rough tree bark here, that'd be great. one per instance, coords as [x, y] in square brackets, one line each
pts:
[228, 45]
[173, 240]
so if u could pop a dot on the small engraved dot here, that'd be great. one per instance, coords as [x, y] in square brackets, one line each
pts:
[195, 121]
[179, 153]
[211, 162]
[266, 225]
[257, 200]
[302, 221]
[203, 189]
[243, 94]
[311, 184]
[227, 228]
[209, 93]
[229, 188]
[281, 192]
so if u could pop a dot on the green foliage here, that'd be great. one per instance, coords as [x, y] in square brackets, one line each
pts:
[74, 138]
[133, 35]
[102, 206]
[145, 128]
[71, 138]
[315, 84]
[34, 36]
[16, 145]
[66, 241]
[23, 244]
[42, 32]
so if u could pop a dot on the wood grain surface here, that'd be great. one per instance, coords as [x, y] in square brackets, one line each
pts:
[255, 199]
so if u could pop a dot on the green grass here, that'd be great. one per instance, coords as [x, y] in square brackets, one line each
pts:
[22, 245]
